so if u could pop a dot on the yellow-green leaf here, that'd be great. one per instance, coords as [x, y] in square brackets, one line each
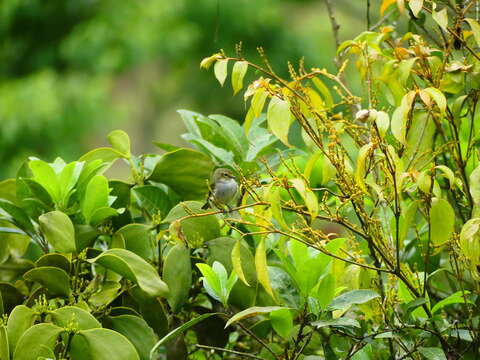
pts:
[440, 17]
[361, 169]
[448, 174]
[475, 26]
[237, 262]
[438, 97]
[383, 122]
[400, 117]
[220, 70]
[120, 141]
[262, 269]
[442, 221]
[238, 73]
[208, 61]
[327, 96]
[415, 6]
[250, 312]
[307, 195]
[279, 118]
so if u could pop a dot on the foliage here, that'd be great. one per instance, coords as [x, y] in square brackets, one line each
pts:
[355, 235]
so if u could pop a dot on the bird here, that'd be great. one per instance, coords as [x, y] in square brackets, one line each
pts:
[223, 189]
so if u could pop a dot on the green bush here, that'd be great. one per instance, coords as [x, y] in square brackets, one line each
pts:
[355, 234]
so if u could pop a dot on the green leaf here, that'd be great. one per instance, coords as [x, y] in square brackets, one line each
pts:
[136, 330]
[415, 6]
[101, 344]
[133, 268]
[282, 322]
[432, 353]
[138, 239]
[442, 221]
[194, 230]
[21, 318]
[474, 181]
[234, 134]
[475, 26]
[81, 319]
[4, 345]
[175, 170]
[153, 199]
[67, 180]
[250, 312]
[455, 298]
[262, 269]
[211, 282]
[39, 340]
[440, 17]
[279, 118]
[337, 322]
[55, 280]
[120, 141]
[58, 230]
[351, 298]
[44, 174]
[96, 196]
[55, 260]
[238, 73]
[326, 291]
[177, 273]
[102, 213]
[438, 97]
[174, 333]
[106, 155]
[19, 216]
[220, 70]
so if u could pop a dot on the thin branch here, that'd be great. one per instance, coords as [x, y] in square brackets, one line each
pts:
[335, 29]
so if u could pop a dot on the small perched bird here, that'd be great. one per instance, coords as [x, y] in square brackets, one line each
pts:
[223, 189]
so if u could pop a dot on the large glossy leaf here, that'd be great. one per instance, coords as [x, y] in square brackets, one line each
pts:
[20, 319]
[138, 239]
[39, 340]
[351, 298]
[134, 268]
[136, 330]
[55, 260]
[177, 273]
[153, 199]
[54, 279]
[18, 215]
[194, 230]
[282, 322]
[101, 344]
[431, 353]
[82, 319]
[185, 171]
[58, 230]
[45, 175]
[96, 196]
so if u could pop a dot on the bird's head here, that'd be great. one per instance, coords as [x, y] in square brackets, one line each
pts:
[222, 174]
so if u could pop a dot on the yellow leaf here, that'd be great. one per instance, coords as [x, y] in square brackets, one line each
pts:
[237, 262]
[279, 118]
[385, 5]
[361, 169]
[261, 267]
[205, 63]
[238, 73]
[220, 70]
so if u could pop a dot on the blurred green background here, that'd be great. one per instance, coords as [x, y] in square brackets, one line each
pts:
[73, 70]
